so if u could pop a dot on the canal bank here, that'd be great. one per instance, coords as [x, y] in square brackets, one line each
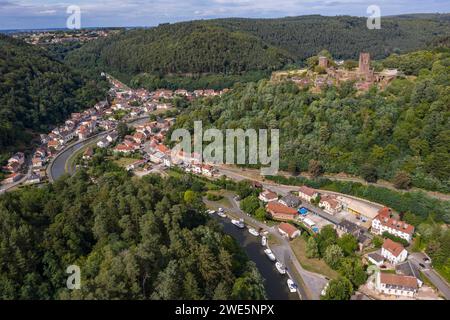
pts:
[274, 283]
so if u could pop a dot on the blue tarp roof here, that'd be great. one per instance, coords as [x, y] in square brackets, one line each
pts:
[303, 211]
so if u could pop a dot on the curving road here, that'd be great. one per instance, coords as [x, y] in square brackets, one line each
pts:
[57, 167]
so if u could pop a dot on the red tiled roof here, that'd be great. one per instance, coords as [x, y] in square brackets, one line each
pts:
[393, 247]
[395, 224]
[269, 194]
[398, 280]
[307, 190]
[281, 209]
[288, 228]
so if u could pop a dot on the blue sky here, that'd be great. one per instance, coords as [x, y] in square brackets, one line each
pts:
[23, 14]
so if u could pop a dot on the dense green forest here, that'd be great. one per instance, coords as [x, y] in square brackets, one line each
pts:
[403, 131]
[146, 238]
[37, 92]
[344, 36]
[184, 48]
[182, 54]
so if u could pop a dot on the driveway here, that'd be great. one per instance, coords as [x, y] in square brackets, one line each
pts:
[443, 287]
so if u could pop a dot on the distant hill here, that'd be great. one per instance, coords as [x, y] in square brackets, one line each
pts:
[344, 36]
[236, 46]
[182, 48]
[36, 92]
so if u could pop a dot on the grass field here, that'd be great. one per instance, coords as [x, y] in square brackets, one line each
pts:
[123, 162]
[298, 245]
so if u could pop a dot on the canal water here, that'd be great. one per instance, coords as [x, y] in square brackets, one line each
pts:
[274, 283]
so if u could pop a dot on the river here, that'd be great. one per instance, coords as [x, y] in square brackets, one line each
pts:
[274, 283]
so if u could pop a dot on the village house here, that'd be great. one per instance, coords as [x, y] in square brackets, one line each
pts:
[14, 177]
[163, 106]
[18, 158]
[393, 252]
[139, 137]
[268, 196]
[34, 178]
[358, 232]
[330, 204]
[290, 201]
[88, 153]
[157, 157]
[288, 230]
[395, 284]
[384, 222]
[112, 137]
[375, 258]
[135, 165]
[37, 162]
[280, 212]
[123, 148]
[307, 193]
[104, 143]
[409, 269]
[54, 144]
[207, 170]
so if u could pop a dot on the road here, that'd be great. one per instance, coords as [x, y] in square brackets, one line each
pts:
[13, 185]
[57, 167]
[314, 282]
[430, 273]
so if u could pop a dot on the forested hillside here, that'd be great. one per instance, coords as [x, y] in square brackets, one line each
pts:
[183, 48]
[37, 92]
[344, 36]
[133, 239]
[403, 131]
[174, 55]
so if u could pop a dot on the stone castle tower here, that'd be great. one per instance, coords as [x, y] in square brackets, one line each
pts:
[323, 62]
[364, 63]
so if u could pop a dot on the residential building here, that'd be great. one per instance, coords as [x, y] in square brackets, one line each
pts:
[19, 158]
[280, 212]
[384, 222]
[14, 177]
[375, 258]
[409, 269]
[123, 148]
[33, 179]
[395, 284]
[207, 170]
[104, 143]
[307, 193]
[357, 231]
[393, 252]
[330, 204]
[88, 153]
[37, 162]
[290, 201]
[268, 196]
[288, 230]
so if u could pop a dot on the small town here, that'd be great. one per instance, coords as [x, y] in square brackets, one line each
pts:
[129, 106]
[394, 273]
[225, 158]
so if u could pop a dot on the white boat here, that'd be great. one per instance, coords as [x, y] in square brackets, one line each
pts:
[238, 223]
[211, 211]
[264, 241]
[221, 214]
[281, 269]
[253, 232]
[292, 286]
[221, 210]
[270, 254]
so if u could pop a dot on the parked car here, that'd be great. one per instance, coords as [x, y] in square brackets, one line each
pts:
[292, 286]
